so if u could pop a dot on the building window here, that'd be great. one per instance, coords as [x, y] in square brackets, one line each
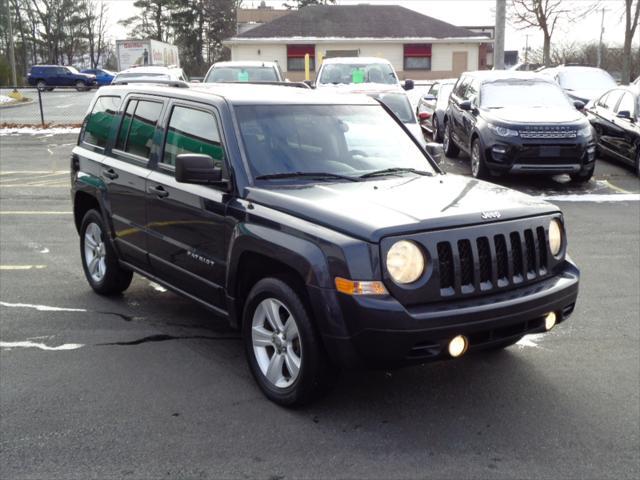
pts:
[417, 56]
[295, 57]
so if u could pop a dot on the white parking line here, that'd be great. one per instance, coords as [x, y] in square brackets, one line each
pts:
[42, 308]
[41, 346]
[22, 267]
[33, 212]
[594, 197]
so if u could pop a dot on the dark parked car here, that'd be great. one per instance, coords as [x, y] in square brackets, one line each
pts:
[315, 224]
[616, 119]
[432, 107]
[47, 77]
[103, 77]
[518, 122]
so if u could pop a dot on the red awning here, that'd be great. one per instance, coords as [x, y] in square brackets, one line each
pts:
[417, 50]
[299, 51]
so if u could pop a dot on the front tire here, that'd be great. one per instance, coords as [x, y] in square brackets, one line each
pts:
[478, 166]
[99, 260]
[581, 178]
[283, 349]
[448, 145]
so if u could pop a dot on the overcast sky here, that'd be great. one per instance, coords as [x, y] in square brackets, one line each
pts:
[463, 13]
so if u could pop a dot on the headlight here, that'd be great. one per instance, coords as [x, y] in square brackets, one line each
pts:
[555, 237]
[502, 131]
[405, 262]
[585, 131]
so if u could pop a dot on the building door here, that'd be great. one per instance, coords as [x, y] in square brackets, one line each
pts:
[459, 62]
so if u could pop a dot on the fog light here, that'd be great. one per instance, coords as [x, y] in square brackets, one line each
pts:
[499, 149]
[458, 345]
[549, 321]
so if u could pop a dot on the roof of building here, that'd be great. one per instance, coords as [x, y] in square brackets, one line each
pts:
[356, 21]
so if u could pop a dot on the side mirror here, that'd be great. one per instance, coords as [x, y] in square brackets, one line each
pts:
[625, 114]
[466, 105]
[579, 105]
[435, 151]
[197, 168]
[309, 83]
[408, 85]
[429, 98]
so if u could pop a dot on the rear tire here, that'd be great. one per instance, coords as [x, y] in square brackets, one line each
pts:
[437, 132]
[99, 260]
[284, 351]
[448, 145]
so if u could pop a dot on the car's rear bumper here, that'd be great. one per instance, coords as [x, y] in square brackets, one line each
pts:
[380, 332]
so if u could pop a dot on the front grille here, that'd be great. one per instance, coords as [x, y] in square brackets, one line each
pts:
[472, 265]
[539, 132]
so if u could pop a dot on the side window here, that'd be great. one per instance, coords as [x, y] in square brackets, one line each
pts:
[603, 100]
[138, 127]
[461, 87]
[612, 99]
[192, 131]
[472, 90]
[626, 104]
[434, 89]
[96, 131]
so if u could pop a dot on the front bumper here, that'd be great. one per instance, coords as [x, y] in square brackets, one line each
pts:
[545, 156]
[380, 332]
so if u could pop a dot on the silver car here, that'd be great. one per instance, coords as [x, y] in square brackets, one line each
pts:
[432, 106]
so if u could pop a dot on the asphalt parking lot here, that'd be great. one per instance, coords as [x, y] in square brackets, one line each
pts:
[150, 385]
[62, 106]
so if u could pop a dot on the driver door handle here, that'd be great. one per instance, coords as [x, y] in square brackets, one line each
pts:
[110, 174]
[159, 191]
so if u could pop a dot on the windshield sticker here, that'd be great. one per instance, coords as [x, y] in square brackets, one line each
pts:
[357, 76]
[243, 76]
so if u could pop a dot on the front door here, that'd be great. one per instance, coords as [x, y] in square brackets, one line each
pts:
[459, 63]
[187, 239]
[125, 172]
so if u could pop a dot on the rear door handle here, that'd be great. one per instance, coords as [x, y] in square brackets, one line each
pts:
[110, 174]
[159, 191]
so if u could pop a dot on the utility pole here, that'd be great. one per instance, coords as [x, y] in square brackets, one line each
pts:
[498, 49]
[600, 44]
[12, 54]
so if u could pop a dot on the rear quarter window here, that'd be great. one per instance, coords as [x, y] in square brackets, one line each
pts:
[99, 121]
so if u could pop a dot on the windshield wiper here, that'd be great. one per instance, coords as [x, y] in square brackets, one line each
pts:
[306, 174]
[388, 171]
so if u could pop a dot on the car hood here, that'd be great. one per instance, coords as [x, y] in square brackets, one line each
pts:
[545, 115]
[373, 209]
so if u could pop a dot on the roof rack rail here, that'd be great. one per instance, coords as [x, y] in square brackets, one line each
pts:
[281, 84]
[168, 83]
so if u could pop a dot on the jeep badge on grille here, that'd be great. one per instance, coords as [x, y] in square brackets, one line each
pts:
[490, 215]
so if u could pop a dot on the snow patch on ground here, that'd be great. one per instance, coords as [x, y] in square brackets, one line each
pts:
[5, 99]
[41, 346]
[5, 131]
[530, 340]
[594, 197]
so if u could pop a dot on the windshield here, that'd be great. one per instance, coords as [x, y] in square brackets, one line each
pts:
[345, 73]
[399, 104]
[348, 140]
[242, 74]
[529, 94]
[123, 76]
[586, 79]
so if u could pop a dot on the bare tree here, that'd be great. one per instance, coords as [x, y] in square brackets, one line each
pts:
[94, 16]
[545, 15]
[630, 25]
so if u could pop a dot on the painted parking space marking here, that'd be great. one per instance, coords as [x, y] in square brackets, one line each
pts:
[42, 308]
[32, 172]
[22, 267]
[594, 197]
[39, 345]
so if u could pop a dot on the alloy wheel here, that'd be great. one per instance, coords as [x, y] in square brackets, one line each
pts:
[475, 159]
[95, 252]
[276, 343]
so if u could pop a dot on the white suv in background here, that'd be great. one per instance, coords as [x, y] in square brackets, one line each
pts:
[151, 73]
[359, 73]
[244, 71]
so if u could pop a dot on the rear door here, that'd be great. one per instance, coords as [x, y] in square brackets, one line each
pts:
[468, 117]
[125, 171]
[455, 112]
[187, 245]
[606, 126]
[626, 133]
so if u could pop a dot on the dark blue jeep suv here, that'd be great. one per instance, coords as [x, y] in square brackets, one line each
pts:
[47, 77]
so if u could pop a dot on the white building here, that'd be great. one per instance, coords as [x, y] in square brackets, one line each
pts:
[418, 46]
